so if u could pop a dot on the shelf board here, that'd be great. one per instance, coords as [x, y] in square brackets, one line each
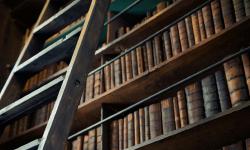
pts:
[71, 12]
[169, 72]
[153, 24]
[29, 101]
[33, 145]
[58, 50]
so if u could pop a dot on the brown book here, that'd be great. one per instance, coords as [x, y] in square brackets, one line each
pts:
[89, 87]
[167, 45]
[134, 63]
[147, 125]
[246, 64]
[145, 58]
[123, 69]
[239, 9]
[125, 132]
[182, 108]
[155, 120]
[112, 75]
[128, 60]
[211, 99]
[183, 35]
[142, 124]
[114, 135]
[202, 25]
[150, 54]
[92, 140]
[247, 7]
[190, 32]
[99, 138]
[121, 32]
[217, 16]
[194, 102]
[223, 94]
[236, 81]
[97, 84]
[158, 56]
[121, 133]
[196, 28]
[107, 76]
[227, 12]
[139, 56]
[137, 127]
[160, 6]
[27, 85]
[247, 144]
[77, 143]
[167, 111]
[208, 20]
[117, 72]
[131, 135]
[86, 142]
[176, 113]
[236, 146]
[175, 40]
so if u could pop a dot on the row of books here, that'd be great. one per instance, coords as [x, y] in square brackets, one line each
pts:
[212, 94]
[192, 30]
[28, 121]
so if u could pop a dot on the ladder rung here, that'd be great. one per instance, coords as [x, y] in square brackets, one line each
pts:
[62, 18]
[30, 101]
[56, 51]
[33, 145]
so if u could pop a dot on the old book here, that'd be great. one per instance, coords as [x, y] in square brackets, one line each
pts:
[99, 138]
[202, 25]
[139, 56]
[150, 54]
[247, 7]
[160, 6]
[239, 9]
[90, 87]
[190, 32]
[182, 103]
[27, 85]
[117, 72]
[236, 81]
[145, 58]
[114, 135]
[211, 99]
[128, 60]
[247, 144]
[86, 142]
[123, 69]
[167, 112]
[167, 45]
[227, 12]
[147, 125]
[107, 76]
[183, 35]
[121, 32]
[155, 121]
[217, 16]
[236, 146]
[131, 135]
[125, 132]
[142, 124]
[194, 102]
[77, 143]
[134, 63]
[137, 127]
[176, 113]
[112, 75]
[223, 93]
[92, 140]
[196, 28]
[246, 64]
[121, 133]
[97, 84]
[175, 40]
[208, 20]
[158, 55]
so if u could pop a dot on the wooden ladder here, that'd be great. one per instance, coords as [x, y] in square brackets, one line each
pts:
[68, 84]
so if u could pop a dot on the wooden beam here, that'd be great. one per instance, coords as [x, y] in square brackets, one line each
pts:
[60, 121]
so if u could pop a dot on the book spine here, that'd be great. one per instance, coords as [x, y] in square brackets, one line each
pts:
[183, 35]
[155, 120]
[247, 144]
[114, 135]
[208, 20]
[202, 25]
[194, 102]
[217, 16]
[139, 55]
[211, 100]
[92, 140]
[176, 113]
[86, 142]
[117, 72]
[246, 64]
[175, 40]
[142, 124]
[182, 108]
[112, 75]
[167, 45]
[123, 69]
[160, 6]
[227, 12]
[77, 143]
[239, 9]
[223, 94]
[190, 32]
[158, 49]
[236, 81]
[107, 76]
[167, 110]
[196, 28]
[147, 125]
[145, 58]
[134, 63]
[247, 7]
[121, 133]
[131, 135]
[125, 132]
[128, 66]
[99, 139]
[97, 84]
[137, 127]
[150, 54]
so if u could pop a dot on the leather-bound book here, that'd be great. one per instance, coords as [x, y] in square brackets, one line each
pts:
[131, 133]
[117, 72]
[121, 133]
[121, 32]
[183, 35]
[208, 20]
[139, 56]
[134, 63]
[167, 111]
[150, 54]
[239, 9]
[236, 81]
[247, 7]
[142, 124]
[175, 40]
[227, 12]
[160, 6]
[223, 93]
[236, 146]
[137, 127]
[86, 142]
[145, 58]
[92, 140]
[202, 25]
[128, 60]
[217, 16]
[147, 125]
[107, 76]
[114, 135]
[112, 75]
[190, 32]
[77, 143]
[167, 44]
[196, 28]
[194, 102]
[89, 88]
[210, 96]
[157, 50]
[182, 103]
[176, 113]
[123, 69]
[246, 64]
[155, 121]
[125, 132]
[99, 138]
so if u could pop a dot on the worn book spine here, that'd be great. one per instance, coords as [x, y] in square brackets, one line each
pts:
[155, 120]
[217, 16]
[167, 111]
[167, 45]
[246, 64]
[175, 40]
[131, 134]
[123, 69]
[97, 87]
[208, 20]
[190, 32]
[139, 56]
[99, 138]
[137, 127]
[247, 7]
[134, 63]
[77, 143]
[239, 9]
[125, 132]
[114, 135]
[86, 142]
[223, 93]
[121, 133]
[147, 125]
[236, 81]
[227, 12]
[92, 140]
[182, 108]
[196, 28]
[194, 102]
[107, 77]
[128, 66]
[176, 113]
[160, 6]
[150, 55]
[202, 25]
[112, 75]
[183, 35]
[210, 96]
[142, 124]
[117, 72]
[158, 49]
[145, 58]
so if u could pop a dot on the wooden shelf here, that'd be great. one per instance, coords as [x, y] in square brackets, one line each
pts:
[152, 25]
[169, 72]
[210, 133]
[71, 12]
[33, 145]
